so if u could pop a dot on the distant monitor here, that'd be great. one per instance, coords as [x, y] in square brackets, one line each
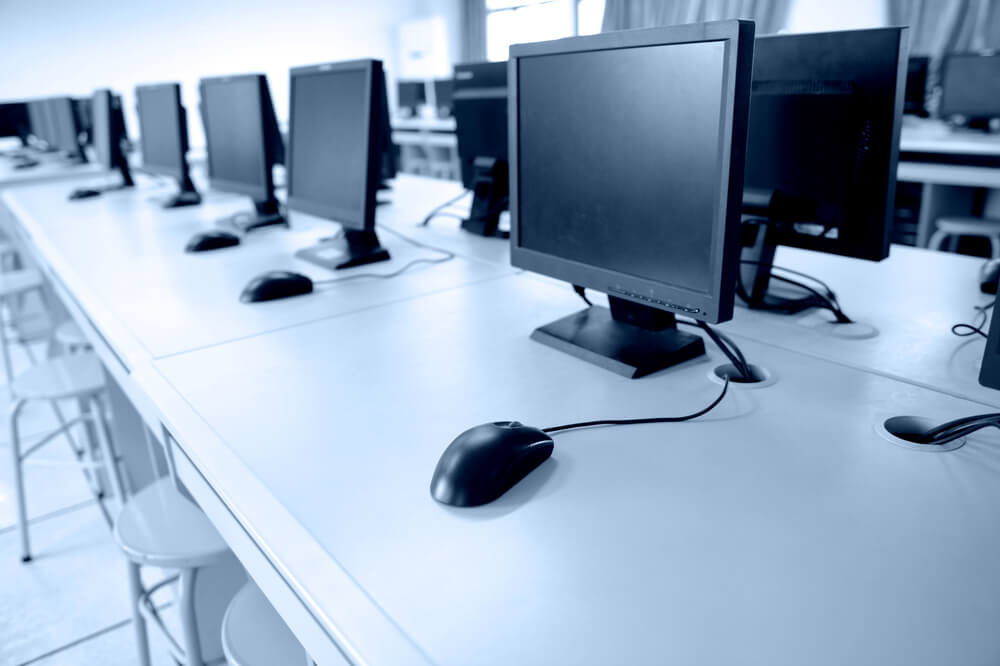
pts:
[479, 104]
[66, 129]
[244, 142]
[81, 111]
[38, 122]
[443, 91]
[822, 148]
[989, 371]
[336, 145]
[630, 188]
[14, 121]
[108, 135]
[916, 86]
[164, 138]
[410, 96]
[971, 87]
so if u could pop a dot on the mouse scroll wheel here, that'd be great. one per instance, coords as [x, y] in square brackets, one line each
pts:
[514, 424]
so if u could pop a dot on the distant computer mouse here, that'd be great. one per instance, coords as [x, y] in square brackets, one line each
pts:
[26, 164]
[211, 240]
[274, 285]
[84, 193]
[486, 461]
[989, 276]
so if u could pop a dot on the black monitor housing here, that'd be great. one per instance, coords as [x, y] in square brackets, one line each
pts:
[84, 121]
[164, 138]
[629, 187]
[108, 135]
[970, 93]
[389, 162]
[66, 128]
[914, 102]
[410, 96]
[822, 148]
[989, 371]
[42, 126]
[14, 121]
[444, 89]
[479, 104]
[244, 143]
[335, 151]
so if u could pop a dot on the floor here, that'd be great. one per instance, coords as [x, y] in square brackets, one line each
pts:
[69, 606]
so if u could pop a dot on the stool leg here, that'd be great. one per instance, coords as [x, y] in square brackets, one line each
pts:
[96, 412]
[189, 623]
[5, 345]
[135, 592]
[22, 510]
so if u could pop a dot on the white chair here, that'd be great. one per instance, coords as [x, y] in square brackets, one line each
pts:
[20, 328]
[160, 527]
[987, 226]
[70, 337]
[80, 378]
[253, 634]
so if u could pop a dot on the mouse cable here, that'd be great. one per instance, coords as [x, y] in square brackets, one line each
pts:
[446, 256]
[958, 428]
[721, 340]
[826, 301]
[964, 330]
[497, 208]
[437, 210]
[655, 419]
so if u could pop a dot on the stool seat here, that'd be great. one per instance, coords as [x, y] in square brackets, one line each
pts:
[19, 281]
[59, 378]
[160, 527]
[972, 226]
[254, 634]
[69, 334]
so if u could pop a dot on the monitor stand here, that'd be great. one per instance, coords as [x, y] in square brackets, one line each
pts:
[630, 339]
[266, 213]
[756, 261]
[187, 196]
[353, 248]
[490, 192]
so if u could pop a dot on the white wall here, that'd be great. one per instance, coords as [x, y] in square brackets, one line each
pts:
[52, 47]
[824, 15]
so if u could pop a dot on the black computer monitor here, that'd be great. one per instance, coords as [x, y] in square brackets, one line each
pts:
[40, 127]
[390, 162]
[626, 177]
[164, 138]
[108, 134]
[14, 121]
[916, 86]
[479, 104]
[335, 151]
[989, 371]
[244, 142]
[971, 88]
[410, 95]
[822, 147]
[443, 91]
[66, 128]
[81, 111]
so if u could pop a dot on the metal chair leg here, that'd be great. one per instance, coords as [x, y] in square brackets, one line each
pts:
[189, 623]
[15, 448]
[138, 621]
[95, 411]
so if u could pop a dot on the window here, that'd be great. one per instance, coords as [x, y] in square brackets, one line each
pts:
[517, 21]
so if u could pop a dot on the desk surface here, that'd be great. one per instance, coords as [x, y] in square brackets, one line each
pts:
[48, 169]
[930, 136]
[780, 529]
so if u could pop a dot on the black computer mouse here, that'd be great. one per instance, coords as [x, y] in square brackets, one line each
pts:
[989, 277]
[486, 461]
[26, 164]
[274, 285]
[84, 193]
[211, 240]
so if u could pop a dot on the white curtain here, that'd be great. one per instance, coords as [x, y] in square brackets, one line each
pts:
[769, 15]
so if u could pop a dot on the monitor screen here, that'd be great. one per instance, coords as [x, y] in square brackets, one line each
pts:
[971, 86]
[162, 129]
[233, 114]
[410, 94]
[332, 142]
[14, 119]
[443, 89]
[618, 172]
[102, 133]
[65, 128]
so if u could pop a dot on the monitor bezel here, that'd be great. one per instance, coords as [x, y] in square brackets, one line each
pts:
[108, 96]
[257, 192]
[717, 303]
[348, 218]
[178, 172]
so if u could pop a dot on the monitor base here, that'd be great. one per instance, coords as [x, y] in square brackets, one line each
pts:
[354, 248]
[490, 195]
[632, 350]
[266, 214]
[182, 199]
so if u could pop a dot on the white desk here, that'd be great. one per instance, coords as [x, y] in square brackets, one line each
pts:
[48, 169]
[780, 529]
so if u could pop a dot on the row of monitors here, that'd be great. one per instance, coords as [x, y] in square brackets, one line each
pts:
[970, 86]
[411, 95]
[57, 123]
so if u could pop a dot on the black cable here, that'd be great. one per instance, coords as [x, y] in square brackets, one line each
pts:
[447, 256]
[658, 419]
[582, 293]
[826, 302]
[963, 422]
[976, 328]
[434, 212]
[735, 357]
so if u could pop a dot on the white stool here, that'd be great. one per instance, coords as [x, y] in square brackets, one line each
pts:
[160, 527]
[253, 634]
[967, 226]
[81, 378]
[70, 337]
[14, 285]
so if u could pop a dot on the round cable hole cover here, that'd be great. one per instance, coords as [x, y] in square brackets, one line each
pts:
[902, 431]
[761, 377]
